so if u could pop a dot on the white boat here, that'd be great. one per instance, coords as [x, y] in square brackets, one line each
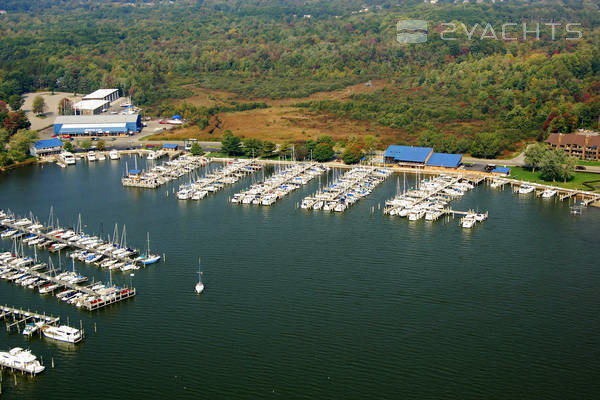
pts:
[151, 155]
[32, 328]
[114, 155]
[22, 360]
[318, 205]
[467, 221]
[63, 333]
[91, 156]
[199, 286]
[67, 158]
[101, 156]
[526, 189]
[548, 193]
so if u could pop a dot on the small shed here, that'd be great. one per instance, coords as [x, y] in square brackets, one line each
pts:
[501, 170]
[170, 147]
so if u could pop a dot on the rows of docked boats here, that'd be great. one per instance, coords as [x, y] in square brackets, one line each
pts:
[285, 180]
[214, 181]
[90, 249]
[24, 271]
[165, 172]
[347, 189]
[546, 193]
[429, 199]
[68, 158]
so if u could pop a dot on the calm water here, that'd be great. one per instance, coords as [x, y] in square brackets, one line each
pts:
[311, 305]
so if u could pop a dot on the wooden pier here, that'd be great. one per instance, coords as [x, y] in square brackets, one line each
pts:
[18, 316]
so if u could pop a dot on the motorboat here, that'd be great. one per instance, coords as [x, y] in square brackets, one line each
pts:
[525, 189]
[114, 155]
[32, 328]
[548, 193]
[91, 156]
[63, 333]
[101, 156]
[22, 360]
[67, 158]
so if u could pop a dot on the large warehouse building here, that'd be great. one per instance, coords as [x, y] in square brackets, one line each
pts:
[97, 125]
[420, 157]
[109, 95]
[91, 107]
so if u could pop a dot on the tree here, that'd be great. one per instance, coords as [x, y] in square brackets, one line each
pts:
[20, 143]
[300, 151]
[230, 144]
[557, 165]
[429, 138]
[323, 152]
[86, 144]
[353, 154]
[39, 105]
[284, 150]
[196, 149]
[68, 146]
[534, 155]
[325, 139]
[253, 147]
[15, 102]
[369, 142]
[15, 121]
[65, 107]
[485, 145]
[268, 149]
[100, 144]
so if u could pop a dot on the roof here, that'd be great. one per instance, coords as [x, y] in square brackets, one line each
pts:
[408, 153]
[134, 172]
[553, 139]
[501, 170]
[96, 119]
[444, 160]
[90, 104]
[169, 146]
[100, 94]
[47, 143]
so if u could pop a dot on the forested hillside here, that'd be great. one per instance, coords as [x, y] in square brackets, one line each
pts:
[439, 92]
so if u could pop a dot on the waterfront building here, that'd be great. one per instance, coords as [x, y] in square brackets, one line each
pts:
[413, 156]
[46, 147]
[585, 146]
[97, 125]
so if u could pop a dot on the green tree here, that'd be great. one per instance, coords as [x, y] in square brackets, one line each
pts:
[16, 121]
[20, 143]
[39, 105]
[100, 145]
[325, 139]
[300, 151]
[86, 144]
[535, 153]
[15, 102]
[68, 146]
[369, 142]
[196, 149]
[253, 147]
[231, 144]
[429, 138]
[485, 145]
[323, 152]
[352, 154]
[284, 150]
[268, 149]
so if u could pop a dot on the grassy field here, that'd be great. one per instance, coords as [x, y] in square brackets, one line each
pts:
[589, 163]
[575, 183]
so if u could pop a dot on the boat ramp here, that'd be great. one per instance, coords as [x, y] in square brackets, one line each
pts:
[278, 185]
[347, 189]
[214, 181]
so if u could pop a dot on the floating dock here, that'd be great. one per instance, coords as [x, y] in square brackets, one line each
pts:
[212, 182]
[430, 199]
[347, 189]
[278, 185]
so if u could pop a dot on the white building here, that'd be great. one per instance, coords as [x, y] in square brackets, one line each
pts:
[91, 107]
[109, 95]
[46, 147]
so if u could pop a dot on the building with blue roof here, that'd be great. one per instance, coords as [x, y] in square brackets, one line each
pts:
[412, 155]
[444, 160]
[170, 147]
[501, 170]
[46, 147]
[97, 125]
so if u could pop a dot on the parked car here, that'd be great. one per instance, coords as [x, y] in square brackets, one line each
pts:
[580, 168]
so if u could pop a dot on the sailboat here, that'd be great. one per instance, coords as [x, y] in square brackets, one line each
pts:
[199, 285]
[149, 258]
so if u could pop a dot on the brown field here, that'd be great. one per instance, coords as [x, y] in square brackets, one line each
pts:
[281, 122]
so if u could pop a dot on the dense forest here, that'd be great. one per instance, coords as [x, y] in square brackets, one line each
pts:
[442, 92]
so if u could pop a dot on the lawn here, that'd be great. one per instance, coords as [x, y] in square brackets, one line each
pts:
[588, 163]
[575, 183]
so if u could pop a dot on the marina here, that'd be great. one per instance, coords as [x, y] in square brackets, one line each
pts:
[346, 189]
[278, 185]
[458, 290]
[216, 180]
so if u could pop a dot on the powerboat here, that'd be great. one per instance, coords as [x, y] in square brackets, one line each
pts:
[67, 158]
[22, 360]
[91, 156]
[114, 155]
[63, 333]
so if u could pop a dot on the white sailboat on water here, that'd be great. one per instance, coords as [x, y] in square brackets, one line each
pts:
[199, 285]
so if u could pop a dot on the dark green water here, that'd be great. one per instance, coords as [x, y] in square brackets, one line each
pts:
[312, 305]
